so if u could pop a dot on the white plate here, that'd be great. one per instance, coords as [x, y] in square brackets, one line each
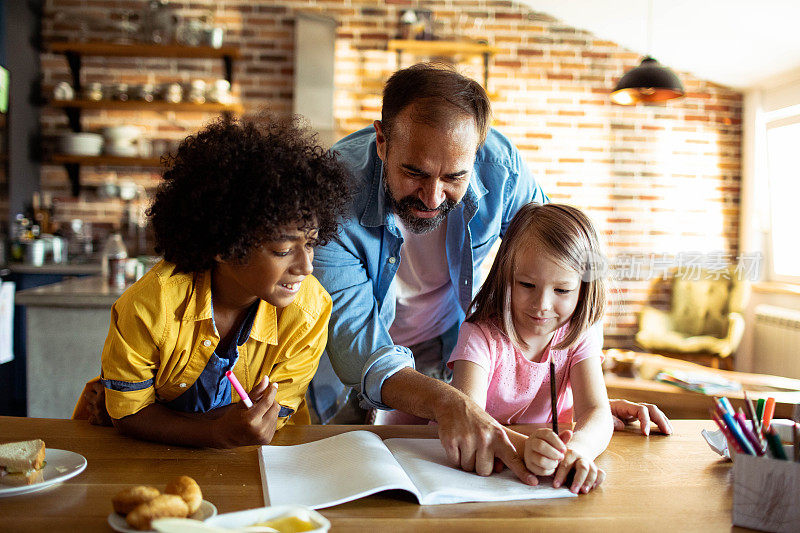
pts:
[60, 465]
[118, 523]
[252, 516]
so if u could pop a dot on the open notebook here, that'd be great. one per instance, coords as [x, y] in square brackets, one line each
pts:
[358, 463]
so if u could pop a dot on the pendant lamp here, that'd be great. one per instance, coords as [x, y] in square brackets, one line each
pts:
[650, 81]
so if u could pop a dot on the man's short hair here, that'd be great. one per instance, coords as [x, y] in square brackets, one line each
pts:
[443, 91]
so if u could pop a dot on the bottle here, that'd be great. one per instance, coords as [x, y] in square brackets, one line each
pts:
[41, 213]
[114, 258]
[19, 230]
[159, 22]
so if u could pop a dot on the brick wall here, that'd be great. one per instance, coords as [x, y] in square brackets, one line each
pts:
[660, 182]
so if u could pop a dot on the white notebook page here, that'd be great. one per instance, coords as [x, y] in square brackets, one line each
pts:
[426, 463]
[329, 471]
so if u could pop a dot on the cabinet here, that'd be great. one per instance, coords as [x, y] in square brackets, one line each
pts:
[13, 374]
[75, 52]
[451, 49]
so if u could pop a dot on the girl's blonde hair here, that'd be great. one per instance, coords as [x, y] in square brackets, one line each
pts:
[567, 235]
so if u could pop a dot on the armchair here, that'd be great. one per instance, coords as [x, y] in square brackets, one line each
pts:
[704, 323]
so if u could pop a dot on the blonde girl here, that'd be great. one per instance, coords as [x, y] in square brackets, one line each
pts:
[542, 301]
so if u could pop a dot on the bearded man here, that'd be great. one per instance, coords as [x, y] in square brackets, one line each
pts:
[436, 186]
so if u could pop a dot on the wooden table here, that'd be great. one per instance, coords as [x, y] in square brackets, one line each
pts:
[654, 483]
[681, 403]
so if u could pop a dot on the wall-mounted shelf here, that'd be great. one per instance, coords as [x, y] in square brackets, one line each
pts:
[74, 53]
[98, 48]
[73, 108]
[139, 105]
[72, 164]
[105, 160]
[454, 49]
[442, 48]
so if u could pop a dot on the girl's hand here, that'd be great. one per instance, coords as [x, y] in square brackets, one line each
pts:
[625, 412]
[544, 450]
[587, 474]
[240, 426]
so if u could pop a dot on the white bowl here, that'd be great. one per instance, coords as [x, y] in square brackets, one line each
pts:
[122, 150]
[254, 516]
[81, 143]
[122, 133]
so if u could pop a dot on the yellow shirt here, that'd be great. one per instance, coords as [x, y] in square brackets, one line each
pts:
[162, 335]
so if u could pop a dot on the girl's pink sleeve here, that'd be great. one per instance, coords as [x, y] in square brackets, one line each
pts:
[473, 345]
[589, 345]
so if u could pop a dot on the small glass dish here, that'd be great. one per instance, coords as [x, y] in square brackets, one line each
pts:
[274, 517]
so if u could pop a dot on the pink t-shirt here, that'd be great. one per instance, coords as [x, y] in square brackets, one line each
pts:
[519, 390]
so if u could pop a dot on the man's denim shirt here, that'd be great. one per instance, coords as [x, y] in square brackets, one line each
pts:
[358, 266]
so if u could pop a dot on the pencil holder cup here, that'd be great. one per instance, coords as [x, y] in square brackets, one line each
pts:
[766, 493]
[731, 449]
[782, 426]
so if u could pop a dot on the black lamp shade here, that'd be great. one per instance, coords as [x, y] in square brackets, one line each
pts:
[649, 82]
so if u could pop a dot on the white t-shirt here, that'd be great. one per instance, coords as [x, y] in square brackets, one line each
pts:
[426, 303]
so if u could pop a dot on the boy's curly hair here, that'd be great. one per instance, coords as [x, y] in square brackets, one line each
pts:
[234, 184]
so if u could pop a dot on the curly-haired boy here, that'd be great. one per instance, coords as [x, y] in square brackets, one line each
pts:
[237, 217]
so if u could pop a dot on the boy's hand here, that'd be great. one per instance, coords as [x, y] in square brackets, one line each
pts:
[240, 426]
[95, 398]
[587, 475]
[544, 450]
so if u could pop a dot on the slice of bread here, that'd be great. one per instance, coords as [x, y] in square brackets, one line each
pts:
[22, 478]
[23, 456]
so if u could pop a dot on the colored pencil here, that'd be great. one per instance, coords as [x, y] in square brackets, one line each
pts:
[553, 410]
[239, 389]
[737, 434]
[775, 445]
[751, 412]
[727, 405]
[769, 410]
[725, 431]
[743, 425]
[720, 406]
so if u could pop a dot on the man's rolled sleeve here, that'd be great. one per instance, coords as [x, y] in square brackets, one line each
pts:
[382, 364]
[359, 346]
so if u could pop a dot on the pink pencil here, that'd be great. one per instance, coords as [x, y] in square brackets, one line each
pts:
[725, 431]
[238, 386]
[748, 433]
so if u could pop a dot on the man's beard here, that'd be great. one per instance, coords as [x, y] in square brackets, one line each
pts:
[403, 208]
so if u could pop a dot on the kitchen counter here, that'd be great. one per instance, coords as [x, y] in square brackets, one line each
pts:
[67, 324]
[67, 269]
[90, 292]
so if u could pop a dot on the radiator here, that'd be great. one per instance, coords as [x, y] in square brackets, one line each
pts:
[776, 346]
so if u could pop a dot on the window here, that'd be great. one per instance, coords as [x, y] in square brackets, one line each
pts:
[783, 167]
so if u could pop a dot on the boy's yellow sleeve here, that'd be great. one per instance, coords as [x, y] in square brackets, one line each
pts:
[131, 354]
[297, 365]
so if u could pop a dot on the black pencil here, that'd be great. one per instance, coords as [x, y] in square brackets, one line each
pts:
[553, 410]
